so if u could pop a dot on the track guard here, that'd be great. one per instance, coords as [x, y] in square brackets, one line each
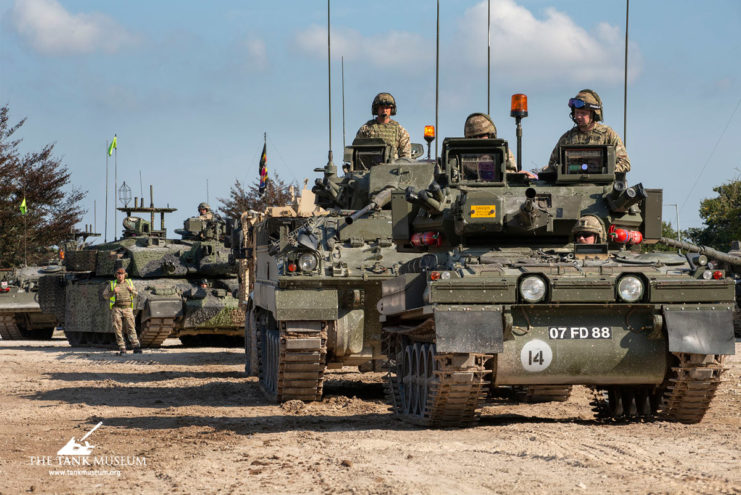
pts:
[700, 330]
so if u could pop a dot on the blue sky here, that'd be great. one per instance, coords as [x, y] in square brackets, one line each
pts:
[190, 87]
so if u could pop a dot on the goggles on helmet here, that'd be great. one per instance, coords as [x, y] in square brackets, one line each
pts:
[579, 103]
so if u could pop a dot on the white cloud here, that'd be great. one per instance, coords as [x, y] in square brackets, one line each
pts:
[525, 49]
[257, 52]
[393, 50]
[532, 50]
[51, 30]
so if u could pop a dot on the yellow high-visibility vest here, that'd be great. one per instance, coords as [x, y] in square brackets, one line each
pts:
[114, 283]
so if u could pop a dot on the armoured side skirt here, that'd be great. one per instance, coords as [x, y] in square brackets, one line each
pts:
[700, 329]
[468, 329]
[298, 304]
[162, 308]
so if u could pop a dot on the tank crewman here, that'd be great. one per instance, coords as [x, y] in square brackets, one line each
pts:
[384, 127]
[589, 230]
[480, 126]
[204, 211]
[120, 294]
[587, 113]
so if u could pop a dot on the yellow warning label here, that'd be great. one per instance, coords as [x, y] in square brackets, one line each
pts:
[483, 211]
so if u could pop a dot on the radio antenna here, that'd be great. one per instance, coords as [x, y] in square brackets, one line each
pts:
[488, 60]
[625, 84]
[329, 86]
[437, 74]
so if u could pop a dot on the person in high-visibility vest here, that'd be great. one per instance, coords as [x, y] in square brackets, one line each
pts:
[120, 294]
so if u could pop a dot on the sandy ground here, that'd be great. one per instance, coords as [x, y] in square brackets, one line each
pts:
[179, 420]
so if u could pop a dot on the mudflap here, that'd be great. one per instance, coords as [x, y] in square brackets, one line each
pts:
[469, 329]
[701, 329]
[162, 308]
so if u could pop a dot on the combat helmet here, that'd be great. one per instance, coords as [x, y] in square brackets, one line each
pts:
[591, 224]
[204, 206]
[587, 98]
[383, 99]
[478, 124]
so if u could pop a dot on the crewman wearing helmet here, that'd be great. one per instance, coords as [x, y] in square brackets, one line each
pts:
[589, 230]
[587, 113]
[204, 212]
[480, 126]
[384, 127]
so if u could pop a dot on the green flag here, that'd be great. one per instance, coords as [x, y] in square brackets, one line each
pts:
[23, 208]
[113, 146]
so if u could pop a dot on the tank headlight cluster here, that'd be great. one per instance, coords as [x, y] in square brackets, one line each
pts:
[307, 262]
[630, 288]
[532, 289]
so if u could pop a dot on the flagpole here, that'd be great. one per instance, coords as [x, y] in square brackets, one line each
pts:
[105, 237]
[25, 225]
[115, 189]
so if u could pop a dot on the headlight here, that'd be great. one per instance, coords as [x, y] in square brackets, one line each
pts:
[307, 262]
[630, 288]
[532, 289]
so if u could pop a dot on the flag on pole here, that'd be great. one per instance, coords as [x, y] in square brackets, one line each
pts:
[23, 208]
[113, 145]
[263, 169]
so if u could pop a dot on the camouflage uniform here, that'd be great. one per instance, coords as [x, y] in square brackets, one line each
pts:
[600, 134]
[206, 216]
[392, 133]
[122, 313]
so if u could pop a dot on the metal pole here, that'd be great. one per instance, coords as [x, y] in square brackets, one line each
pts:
[676, 211]
[343, 102]
[488, 59]
[105, 235]
[115, 191]
[437, 75]
[25, 227]
[625, 85]
[329, 79]
[95, 215]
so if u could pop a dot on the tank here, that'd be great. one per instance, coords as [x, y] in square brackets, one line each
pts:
[21, 316]
[501, 296]
[729, 262]
[314, 272]
[186, 287]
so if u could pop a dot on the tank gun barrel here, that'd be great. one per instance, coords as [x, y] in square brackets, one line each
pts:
[379, 201]
[707, 251]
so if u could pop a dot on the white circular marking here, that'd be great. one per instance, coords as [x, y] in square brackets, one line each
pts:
[536, 356]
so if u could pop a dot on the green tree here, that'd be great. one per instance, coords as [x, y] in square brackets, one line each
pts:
[277, 193]
[666, 231]
[52, 206]
[721, 216]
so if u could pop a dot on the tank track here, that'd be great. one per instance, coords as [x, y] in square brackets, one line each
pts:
[154, 331]
[291, 362]
[692, 386]
[430, 389]
[542, 393]
[685, 395]
[8, 328]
